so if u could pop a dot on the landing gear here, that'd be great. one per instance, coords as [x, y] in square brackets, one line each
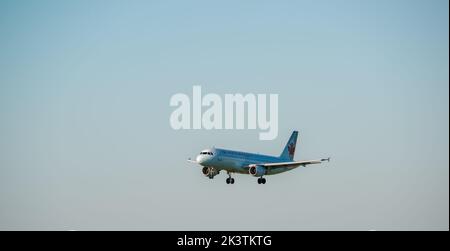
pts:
[261, 180]
[229, 179]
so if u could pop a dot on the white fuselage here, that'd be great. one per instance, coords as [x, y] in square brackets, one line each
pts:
[236, 161]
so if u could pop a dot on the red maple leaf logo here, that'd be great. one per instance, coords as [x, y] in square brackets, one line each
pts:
[291, 149]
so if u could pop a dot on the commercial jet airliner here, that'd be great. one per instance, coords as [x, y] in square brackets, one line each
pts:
[215, 160]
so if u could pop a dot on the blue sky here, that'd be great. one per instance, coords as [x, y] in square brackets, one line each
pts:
[84, 105]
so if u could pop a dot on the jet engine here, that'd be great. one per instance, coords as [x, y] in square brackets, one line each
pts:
[257, 171]
[209, 172]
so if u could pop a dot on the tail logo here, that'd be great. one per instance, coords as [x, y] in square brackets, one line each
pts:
[291, 150]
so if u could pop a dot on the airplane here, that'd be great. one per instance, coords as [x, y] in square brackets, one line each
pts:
[214, 160]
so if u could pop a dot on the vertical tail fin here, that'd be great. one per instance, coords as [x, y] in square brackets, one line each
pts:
[289, 149]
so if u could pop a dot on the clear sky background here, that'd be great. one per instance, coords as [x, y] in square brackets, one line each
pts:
[85, 139]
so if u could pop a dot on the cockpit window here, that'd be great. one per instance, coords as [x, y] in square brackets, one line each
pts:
[206, 153]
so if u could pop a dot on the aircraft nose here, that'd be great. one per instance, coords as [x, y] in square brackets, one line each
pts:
[199, 159]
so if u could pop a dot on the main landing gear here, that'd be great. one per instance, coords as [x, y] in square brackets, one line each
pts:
[261, 180]
[229, 179]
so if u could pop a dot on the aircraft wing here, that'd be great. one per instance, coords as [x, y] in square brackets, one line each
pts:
[192, 161]
[291, 164]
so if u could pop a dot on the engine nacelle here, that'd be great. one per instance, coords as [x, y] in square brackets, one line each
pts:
[205, 170]
[257, 171]
[209, 171]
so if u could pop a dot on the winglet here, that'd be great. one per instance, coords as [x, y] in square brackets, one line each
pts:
[192, 161]
[327, 159]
